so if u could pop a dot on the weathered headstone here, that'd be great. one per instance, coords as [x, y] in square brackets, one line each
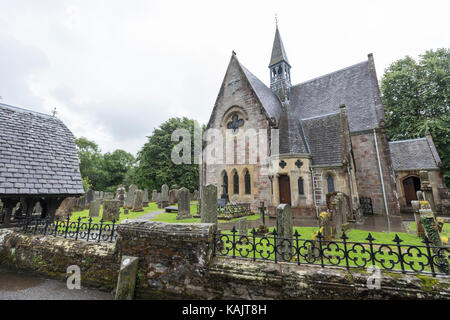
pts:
[164, 196]
[145, 198]
[130, 196]
[111, 210]
[65, 208]
[196, 195]
[284, 232]
[121, 195]
[94, 208]
[137, 205]
[427, 190]
[89, 197]
[173, 196]
[420, 232]
[339, 217]
[96, 195]
[184, 206]
[326, 226]
[154, 195]
[209, 204]
[242, 226]
[82, 203]
[102, 195]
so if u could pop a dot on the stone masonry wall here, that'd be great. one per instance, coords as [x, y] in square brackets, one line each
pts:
[367, 172]
[51, 256]
[176, 262]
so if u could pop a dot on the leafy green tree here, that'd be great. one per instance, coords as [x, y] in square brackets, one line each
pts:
[102, 172]
[90, 162]
[116, 166]
[416, 99]
[155, 166]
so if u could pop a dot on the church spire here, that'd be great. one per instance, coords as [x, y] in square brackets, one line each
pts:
[280, 69]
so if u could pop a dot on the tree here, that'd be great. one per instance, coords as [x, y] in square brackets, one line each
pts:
[155, 166]
[90, 162]
[102, 172]
[416, 99]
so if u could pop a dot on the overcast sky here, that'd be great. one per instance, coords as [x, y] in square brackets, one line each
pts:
[116, 69]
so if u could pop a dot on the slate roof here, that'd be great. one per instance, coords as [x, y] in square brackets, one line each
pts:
[268, 99]
[323, 139]
[278, 52]
[414, 154]
[353, 86]
[38, 155]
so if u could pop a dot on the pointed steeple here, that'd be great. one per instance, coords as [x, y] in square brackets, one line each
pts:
[280, 70]
[278, 52]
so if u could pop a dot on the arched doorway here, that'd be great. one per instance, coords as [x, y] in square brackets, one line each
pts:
[410, 186]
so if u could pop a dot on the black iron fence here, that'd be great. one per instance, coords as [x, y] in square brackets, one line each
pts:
[425, 258]
[78, 230]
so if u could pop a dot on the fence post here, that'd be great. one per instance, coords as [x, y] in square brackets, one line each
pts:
[254, 243]
[344, 239]
[372, 254]
[429, 254]
[320, 237]
[397, 240]
[67, 227]
[297, 248]
[78, 228]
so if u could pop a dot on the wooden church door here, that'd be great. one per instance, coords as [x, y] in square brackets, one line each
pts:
[410, 186]
[285, 189]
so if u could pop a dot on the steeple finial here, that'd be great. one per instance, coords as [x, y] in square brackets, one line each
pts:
[276, 20]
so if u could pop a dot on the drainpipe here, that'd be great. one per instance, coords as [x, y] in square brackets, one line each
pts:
[381, 178]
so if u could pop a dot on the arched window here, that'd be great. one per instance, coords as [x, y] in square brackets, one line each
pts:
[330, 183]
[248, 189]
[300, 186]
[236, 183]
[225, 182]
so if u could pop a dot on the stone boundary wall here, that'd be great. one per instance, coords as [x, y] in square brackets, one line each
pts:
[51, 256]
[176, 262]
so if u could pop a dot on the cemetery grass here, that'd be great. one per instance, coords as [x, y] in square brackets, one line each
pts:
[152, 206]
[334, 251]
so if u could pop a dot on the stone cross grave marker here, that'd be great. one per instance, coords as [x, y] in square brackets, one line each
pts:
[164, 196]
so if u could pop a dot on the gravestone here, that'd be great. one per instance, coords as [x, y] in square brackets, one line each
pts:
[102, 195]
[111, 210]
[262, 212]
[339, 217]
[184, 205]
[209, 204]
[65, 208]
[82, 203]
[326, 225]
[154, 195]
[164, 196]
[196, 195]
[89, 196]
[121, 195]
[242, 226]
[173, 196]
[137, 205]
[427, 190]
[145, 198]
[125, 211]
[284, 232]
[420, 232]
[96, 195]
[130, 196]
[158, 200]
[94, 208]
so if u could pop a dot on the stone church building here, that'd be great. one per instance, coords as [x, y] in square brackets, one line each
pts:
[331, 137]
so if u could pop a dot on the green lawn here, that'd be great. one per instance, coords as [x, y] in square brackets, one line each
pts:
[152, 206]
[172, 218]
